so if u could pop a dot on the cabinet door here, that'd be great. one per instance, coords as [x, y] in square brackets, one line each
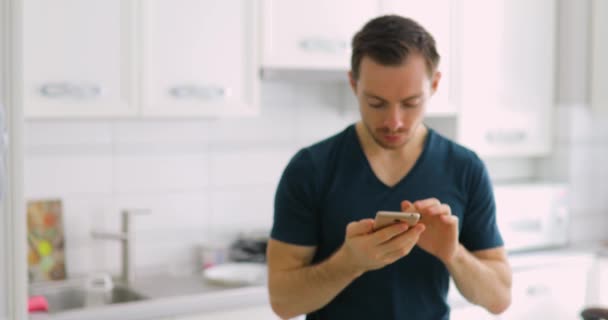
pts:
[200, 57]
[77, 58]
[602, 282]
[436, 17]
[507, 76]
[548, 293]
[599, 52]
[250, 313]
[312, 34]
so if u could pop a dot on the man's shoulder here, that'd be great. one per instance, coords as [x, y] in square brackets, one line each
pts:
[453, 151]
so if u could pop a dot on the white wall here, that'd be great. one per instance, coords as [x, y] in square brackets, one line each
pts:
[3, 182]
[581, 136]
[198, 177]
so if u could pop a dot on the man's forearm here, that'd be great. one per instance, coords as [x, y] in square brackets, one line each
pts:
[304, 290]
[482, 281]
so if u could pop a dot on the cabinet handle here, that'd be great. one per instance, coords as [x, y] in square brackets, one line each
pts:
[323, 45]
[198, 92]
[506, 136]
[537, 290]
[68, 90]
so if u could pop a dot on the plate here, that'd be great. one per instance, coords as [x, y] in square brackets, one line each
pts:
[236, 274]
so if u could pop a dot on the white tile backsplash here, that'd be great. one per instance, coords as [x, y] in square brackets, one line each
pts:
[204, 177]
[237, 168]
[59, 175]
[67, 132]
[245, 208]
[160, 132]
[160, 172]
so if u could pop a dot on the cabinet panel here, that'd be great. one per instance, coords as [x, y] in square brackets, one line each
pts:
[77, 58]
[250, 313]
[199, 57]
[599, 52]
[548, 293]
[507, 52]
[313, 34]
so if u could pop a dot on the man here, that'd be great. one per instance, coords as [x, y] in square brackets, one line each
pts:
[326, 259]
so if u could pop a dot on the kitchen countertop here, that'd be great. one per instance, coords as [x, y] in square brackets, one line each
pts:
[183, 295]
[169, 296]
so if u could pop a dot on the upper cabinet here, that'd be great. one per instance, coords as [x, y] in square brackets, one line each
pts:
[117, 58]
[436, 17]
[312, 34]
[507, 76]
[78, 58]
[199, 57]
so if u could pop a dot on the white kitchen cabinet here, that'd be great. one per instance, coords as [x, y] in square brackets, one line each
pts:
[507, 60]
[200, 57]
[556, 292]
[599, 52]
[436, 17]
[601, 282]
[545, 286]
[157, 58]
[78, 58]
[250, 313]
[313, 34]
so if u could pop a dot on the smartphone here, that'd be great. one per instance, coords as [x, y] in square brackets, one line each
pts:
[386, 218]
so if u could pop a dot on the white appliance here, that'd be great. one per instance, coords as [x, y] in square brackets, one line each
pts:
[532, 216]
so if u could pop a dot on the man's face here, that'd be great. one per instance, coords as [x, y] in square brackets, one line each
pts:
[392, 99]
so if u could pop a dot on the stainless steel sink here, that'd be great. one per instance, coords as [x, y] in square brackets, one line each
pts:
[67, 295]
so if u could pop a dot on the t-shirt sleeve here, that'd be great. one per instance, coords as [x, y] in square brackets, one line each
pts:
[296, 218]
[479, 229]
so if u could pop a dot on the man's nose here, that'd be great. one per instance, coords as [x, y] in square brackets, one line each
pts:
[393, 118]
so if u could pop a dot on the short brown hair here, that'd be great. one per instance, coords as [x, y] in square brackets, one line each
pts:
[389, 40]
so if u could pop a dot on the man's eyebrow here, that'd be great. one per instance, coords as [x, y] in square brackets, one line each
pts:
[370, 95]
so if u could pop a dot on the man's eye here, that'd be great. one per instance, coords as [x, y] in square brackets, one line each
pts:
[376, 105]
[412, 105]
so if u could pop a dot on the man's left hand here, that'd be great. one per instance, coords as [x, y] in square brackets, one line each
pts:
[440, 238]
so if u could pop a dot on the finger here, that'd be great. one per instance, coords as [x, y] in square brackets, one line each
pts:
[442, 209]
[403, 241]
[422, 204]
[360, 227]
[449, 219]
[407, 206]
[387, 233]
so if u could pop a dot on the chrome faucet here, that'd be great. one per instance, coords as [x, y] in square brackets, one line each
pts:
[126, 238]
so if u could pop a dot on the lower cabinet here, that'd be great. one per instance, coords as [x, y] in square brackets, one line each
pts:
[598, 291]
[556, 292]
[550, 287]
[250, 313]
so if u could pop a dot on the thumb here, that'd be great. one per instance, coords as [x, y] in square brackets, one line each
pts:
[361, 227]
[407, 206]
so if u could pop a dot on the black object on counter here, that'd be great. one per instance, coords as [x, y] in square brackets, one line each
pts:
[249, 248]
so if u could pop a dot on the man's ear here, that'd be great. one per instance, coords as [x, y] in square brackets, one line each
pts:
[435, 82]
[352, 81]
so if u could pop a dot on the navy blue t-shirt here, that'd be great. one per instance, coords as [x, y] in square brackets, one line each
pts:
[330, 184]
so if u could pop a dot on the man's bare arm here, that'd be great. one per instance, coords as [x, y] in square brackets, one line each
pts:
[483, 277]
[298, 287]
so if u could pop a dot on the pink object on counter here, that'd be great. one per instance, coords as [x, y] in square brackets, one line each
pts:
[37, 303]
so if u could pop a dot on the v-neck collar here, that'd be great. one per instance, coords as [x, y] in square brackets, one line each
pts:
[403, 179]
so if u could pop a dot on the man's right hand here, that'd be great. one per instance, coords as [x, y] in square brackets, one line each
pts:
[365, 249]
